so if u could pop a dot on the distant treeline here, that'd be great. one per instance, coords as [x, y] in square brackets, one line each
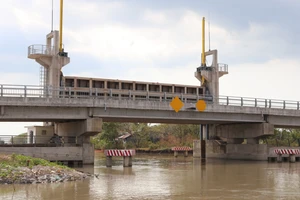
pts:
[145, 135]
[162, 136]
[284, 137]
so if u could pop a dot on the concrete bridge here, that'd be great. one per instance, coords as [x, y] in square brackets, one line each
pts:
[28, 103]
[78, 113]
[77, 106]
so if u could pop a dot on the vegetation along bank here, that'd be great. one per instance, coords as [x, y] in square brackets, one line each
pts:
[20, 169]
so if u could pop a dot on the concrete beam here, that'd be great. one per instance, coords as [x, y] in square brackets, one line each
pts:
[88, 127]
[251, 130]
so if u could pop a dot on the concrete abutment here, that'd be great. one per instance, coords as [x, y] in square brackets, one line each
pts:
[71, 143]
[82, 130]
[237, 141]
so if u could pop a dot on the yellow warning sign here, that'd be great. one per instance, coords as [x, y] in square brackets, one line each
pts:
[176, 104]
[201, 105]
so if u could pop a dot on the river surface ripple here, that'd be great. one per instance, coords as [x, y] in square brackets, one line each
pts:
[166, 177]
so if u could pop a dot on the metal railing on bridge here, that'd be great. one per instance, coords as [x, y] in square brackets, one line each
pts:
[40, 141]
[24, 91]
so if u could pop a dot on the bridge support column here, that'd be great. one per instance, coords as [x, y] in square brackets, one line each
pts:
[196, 149]
[203, 149]
[88, 153]
[199, 146]
[79, 132]
[127, 161]
[279, 158]
[243, 140]
[186, 154]
[175, 153]
[108, 161]
[292, 158]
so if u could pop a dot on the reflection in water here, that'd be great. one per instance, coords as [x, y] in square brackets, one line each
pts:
[166, 177]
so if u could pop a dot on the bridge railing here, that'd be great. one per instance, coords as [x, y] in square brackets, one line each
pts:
[21, 91]
[26, 140]
[40, 49]
[223, 67]
[117, 94]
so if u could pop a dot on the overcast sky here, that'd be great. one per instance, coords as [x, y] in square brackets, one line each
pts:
[159, 41]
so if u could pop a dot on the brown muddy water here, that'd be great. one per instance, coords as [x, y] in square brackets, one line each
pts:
[166, 177]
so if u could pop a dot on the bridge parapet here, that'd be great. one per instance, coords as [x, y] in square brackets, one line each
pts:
[26, 91]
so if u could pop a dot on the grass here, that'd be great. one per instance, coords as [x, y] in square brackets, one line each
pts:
[10, 162]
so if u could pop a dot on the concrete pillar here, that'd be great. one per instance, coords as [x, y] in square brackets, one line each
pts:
[186, 153]
[203, 149]
[201, 132]
[204, 132]
[292, 158]
[207, 132]
[90, 83]
[108, 161]
[279, 158]
[175, 153]
[88, 153]
[120, 87]
[197, 148]
[127, 161]
[105, 87]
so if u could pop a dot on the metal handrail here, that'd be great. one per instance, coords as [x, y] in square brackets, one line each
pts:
[222, 67]
[27, 140]
[40, 49]
[24, 91]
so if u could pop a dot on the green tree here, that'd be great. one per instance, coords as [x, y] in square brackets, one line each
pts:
[284, 137]
[106, 139]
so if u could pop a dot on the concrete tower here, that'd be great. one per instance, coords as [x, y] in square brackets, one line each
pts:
[209, 75]
[50, 57]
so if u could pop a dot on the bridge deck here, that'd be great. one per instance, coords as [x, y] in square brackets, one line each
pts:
[35, 104]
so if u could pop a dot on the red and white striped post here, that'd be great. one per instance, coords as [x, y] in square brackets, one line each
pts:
[291, 152]
[185, 149]
[126, 154]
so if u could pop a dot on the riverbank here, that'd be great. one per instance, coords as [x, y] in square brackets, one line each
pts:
[19, 169]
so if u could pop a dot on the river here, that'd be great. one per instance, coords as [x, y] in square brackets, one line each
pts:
[166, 177]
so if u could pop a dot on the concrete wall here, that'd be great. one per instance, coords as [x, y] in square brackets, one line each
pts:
[48, 153]
[237, 151]
[42, 134]
[247, 151]
[214, 150]
[84, 153]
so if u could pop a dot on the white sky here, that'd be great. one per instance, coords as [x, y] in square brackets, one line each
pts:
[159, 41]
